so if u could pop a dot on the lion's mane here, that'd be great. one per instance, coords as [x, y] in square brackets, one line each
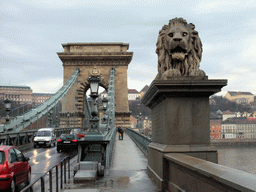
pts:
[188, 63]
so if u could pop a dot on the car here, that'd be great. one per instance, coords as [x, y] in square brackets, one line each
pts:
[67, 142]
[81, 134]
[14, 168]
[75, 131]
[45, 137]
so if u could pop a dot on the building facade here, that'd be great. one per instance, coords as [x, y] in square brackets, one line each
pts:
[147, 126]
[240, 97]
[228, 114]
[143, 90]
[18, 93]
[239, 127]
[39, 98]
[215, 129]
[133, 94]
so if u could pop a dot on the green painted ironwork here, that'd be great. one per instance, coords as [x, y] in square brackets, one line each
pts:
[142, 140]
[20, 122]
[98, 146]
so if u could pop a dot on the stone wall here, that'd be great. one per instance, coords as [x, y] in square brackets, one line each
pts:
[185, 173]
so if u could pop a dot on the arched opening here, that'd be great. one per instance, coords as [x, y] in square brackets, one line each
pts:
[83, 101]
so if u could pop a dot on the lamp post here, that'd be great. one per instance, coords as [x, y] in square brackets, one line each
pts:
[68, 122]
[7, 105]
[94, 86]
[139, 124]
[56, 121]
[50, 118]
[104, 119]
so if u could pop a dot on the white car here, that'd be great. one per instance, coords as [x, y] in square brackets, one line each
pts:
[75, 131]
[45, 137]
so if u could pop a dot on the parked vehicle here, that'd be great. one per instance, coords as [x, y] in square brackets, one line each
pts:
[81, 134]
[67, 142]
[14, 168]
[45, 137]
[75, 131]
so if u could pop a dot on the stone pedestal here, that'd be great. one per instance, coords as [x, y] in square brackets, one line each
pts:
[180, 120]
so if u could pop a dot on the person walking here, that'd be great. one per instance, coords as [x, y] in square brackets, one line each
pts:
[121, 132]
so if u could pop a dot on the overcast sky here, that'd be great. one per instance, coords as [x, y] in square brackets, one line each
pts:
[32, 31]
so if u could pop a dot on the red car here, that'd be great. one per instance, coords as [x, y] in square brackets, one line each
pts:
[14, 168]
[81, 134]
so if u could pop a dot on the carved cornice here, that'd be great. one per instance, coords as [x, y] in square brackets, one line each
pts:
[103, 62]
[96, 53]
[99, 58]
[186, 87]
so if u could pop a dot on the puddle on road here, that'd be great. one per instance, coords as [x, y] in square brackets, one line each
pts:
[119, 180]
[137, 177]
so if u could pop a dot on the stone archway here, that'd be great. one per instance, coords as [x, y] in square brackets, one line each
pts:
[97, 59]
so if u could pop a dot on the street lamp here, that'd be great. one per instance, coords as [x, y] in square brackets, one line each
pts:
[139, 124]
[50, 118]
[56, 121]
[105, 107]
[105, 103]
[7, 105]
[94, 86]
[68, 115]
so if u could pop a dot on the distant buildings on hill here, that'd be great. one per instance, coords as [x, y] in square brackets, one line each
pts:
[240, 97]
[22, 94]
[233, 125]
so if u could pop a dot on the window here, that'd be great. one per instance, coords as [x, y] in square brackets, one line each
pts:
[2, 157]
[19, 154]
[12, 156]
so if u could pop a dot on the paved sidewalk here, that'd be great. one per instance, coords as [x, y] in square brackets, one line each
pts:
[127, 172]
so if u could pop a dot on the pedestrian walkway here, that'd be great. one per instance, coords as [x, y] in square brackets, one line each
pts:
[127, 172]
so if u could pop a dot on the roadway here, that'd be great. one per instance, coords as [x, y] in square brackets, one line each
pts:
[127, 172]
[41, 160]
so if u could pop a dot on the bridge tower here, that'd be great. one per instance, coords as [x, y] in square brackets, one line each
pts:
[95, 59]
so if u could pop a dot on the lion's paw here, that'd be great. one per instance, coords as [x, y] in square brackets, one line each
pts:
[196, 72]
[171, 73]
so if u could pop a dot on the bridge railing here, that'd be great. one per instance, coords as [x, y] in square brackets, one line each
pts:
[22, 138]
[141, 140]
[184, 172]
[20, 122]
[64, 167]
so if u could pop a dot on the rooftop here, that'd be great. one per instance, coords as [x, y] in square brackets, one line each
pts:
[239, 120]
[43, 94]
[233, 93]
[228, 112]
[144, 89]
[14, 86]
[132, 91]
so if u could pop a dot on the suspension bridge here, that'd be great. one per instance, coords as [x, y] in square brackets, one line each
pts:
[175, 160]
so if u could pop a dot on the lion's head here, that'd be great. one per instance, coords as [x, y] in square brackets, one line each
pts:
[179, 50]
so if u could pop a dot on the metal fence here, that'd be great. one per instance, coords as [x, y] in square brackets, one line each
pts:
[64, 170]
[141, 140]
[26, 137]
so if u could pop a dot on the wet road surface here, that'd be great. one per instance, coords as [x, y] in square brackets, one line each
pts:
[127, 172]
[41, 160]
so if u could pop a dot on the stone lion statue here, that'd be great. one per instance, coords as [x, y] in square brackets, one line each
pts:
[179, 50]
